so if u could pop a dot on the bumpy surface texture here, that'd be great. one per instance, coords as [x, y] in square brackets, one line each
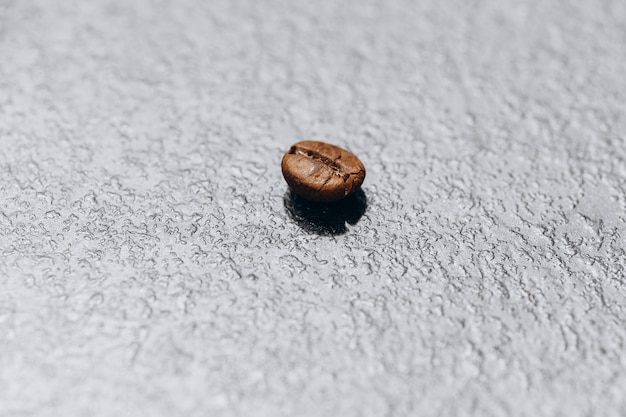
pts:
[149, 265]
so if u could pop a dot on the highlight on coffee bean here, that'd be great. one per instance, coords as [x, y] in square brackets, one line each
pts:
[321, 172]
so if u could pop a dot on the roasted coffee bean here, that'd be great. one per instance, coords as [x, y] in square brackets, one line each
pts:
[322, 172]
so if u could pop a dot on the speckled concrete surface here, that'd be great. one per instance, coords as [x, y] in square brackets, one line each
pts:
[153, 264]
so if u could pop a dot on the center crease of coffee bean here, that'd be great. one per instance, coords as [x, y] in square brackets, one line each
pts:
[327, 161]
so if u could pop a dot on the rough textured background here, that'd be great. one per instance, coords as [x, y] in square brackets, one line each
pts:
[151, 266]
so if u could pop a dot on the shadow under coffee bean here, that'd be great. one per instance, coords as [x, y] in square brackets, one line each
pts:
[326, 218]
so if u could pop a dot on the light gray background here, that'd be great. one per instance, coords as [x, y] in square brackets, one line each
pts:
[149, 267]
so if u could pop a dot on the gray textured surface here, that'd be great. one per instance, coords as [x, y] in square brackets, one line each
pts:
[149, 266]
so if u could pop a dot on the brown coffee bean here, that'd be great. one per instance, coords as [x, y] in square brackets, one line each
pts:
[322, 172]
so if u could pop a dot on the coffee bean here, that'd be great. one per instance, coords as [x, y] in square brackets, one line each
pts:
[322, 172]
